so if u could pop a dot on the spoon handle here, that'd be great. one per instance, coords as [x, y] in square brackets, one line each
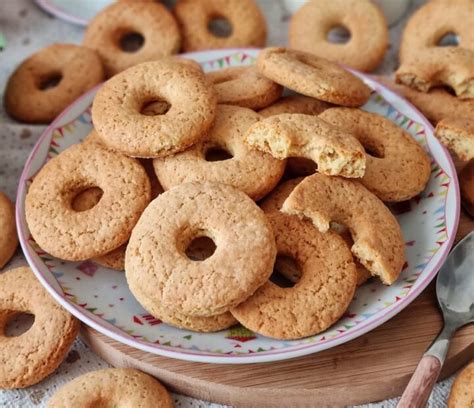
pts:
[419, 388]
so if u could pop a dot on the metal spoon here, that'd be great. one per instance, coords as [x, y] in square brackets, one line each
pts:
[455, 291]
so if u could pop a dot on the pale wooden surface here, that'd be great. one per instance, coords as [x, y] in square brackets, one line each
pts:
[373, 367]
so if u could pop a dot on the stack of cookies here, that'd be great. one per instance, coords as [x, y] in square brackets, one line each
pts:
[187, 183]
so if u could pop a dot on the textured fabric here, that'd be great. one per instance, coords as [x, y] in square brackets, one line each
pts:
[24, 29]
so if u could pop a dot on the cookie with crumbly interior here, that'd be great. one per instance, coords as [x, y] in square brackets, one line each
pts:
[457, 134]
[8, 236]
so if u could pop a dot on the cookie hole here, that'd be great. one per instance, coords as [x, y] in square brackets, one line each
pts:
[286, 272]
[18, 324]
[132, 42]
[155, 107]
[373, 151]
[50, 81]
[301, 167]
[338, 35]
[200, 248]
[86, 199]
[220, 27]
[217, 154]
[448, 40]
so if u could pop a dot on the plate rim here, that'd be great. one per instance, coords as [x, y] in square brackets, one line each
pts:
[209, 357]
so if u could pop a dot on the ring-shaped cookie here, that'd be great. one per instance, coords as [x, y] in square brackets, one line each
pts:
[8, 236]
[150, 20]
[117, 107]
[320, 297]
[313, 76]
[295, 104]
[73, 235]
[435, 19]
[324, 199]
[112, 387]
[29, 358]
[310, 25]
[244, 86]
[251, 171]
[335, 151]
[457, 134]
[400, 168]
[158, 270]
[462, 390]
[249, 28]
[50, 80]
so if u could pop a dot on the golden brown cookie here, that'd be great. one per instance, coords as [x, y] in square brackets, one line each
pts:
[118, 105]
[248, 26]
[274, 201]
[295, 104]
[8, 236]
[321, 295]
[50, 80]
[115, 387]
[462, 391]
[436, 104]
[457, 134]
[31, 357]
[310, 26]
[335, 151]
[158, 269]
[466, 185]
[397, 167]
[326, 199]
[148, 25]
[78, 235]
[244, 86]
[313, 76]
[253, 172]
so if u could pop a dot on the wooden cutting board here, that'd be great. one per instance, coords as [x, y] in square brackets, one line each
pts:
[371, 368]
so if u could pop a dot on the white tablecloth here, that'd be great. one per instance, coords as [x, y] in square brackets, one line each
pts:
[26, 29]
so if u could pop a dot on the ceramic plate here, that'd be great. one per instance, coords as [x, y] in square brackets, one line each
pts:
[100, 296]
[74, 11]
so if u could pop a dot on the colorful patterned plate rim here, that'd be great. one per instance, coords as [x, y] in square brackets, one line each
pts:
[100, 298]
[78, 12]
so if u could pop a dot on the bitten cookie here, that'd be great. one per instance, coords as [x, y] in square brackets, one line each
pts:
[156, 265]
[295, 104]
[117, 109]
[49, 80]
[31, 357]
[8, 236]
[466, 185]
[310, 25]
[324, 199]
[397, 167]
[68, 234]
[112, 387]
[248, 25]
[462, 391]
[335, 151]
[321, 295]
[244, 86]
[150, 22]
[457, 134]
[313, 76]
[253, 172]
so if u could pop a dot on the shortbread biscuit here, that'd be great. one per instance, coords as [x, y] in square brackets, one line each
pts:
[112, 387]
[156, 265]
[251, 171]
[310, 25]
[8, 236]
[378, 240]
[117, 109]
[247, 22]
[79, 235]
[335, 151]
[397, 167]
[31, 357]
[321, 295]
[150, 21]
[50, 80]
[244, 86]
[462, 391]
[313, 76]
